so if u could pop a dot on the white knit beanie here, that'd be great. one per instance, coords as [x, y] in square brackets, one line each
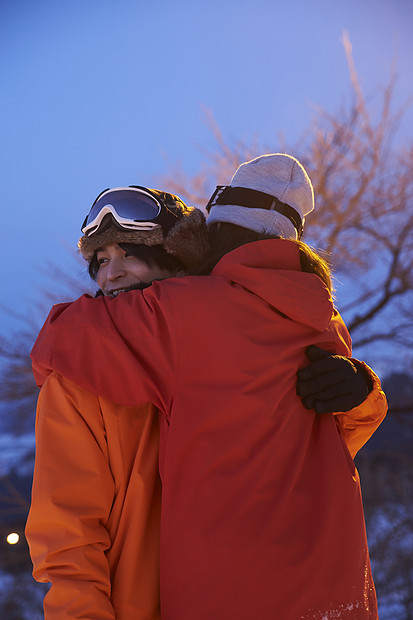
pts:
[279, 175]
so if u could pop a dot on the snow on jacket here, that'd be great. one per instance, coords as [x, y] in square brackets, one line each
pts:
[93, 526]
[261, 506]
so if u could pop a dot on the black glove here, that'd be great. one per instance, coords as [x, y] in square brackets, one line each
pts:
[331, 382]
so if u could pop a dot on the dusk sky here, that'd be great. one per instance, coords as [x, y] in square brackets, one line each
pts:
[98, 93]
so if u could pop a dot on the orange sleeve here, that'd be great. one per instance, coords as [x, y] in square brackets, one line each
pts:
[358, 425]
[72, 495]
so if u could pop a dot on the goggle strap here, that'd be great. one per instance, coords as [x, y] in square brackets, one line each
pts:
[167, 217]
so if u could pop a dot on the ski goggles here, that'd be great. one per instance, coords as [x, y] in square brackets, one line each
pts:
[130, 208]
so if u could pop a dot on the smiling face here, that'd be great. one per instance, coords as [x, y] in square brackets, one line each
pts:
[118, 270]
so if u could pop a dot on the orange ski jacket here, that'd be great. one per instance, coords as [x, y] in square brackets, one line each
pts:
[93, 526]
[261, 506]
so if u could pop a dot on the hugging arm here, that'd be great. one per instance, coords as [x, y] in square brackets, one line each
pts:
[332, 383]
[122, 349]
[346, 387]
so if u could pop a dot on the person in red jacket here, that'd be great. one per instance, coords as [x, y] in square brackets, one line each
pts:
[262, 512]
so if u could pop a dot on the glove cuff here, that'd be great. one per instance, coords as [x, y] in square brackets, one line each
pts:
[365, 371]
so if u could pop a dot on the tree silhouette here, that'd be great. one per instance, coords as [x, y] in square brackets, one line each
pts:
[364, 209]
[363, 220]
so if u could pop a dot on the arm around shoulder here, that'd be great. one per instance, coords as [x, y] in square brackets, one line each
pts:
[122, 349]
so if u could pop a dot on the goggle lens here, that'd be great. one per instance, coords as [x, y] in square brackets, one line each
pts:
[129, 204]
[126, 205]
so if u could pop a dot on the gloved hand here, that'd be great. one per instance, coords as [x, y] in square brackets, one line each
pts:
[331, 383]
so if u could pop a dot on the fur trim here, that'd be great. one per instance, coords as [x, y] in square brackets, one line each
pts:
[111, 235]
[187, 240]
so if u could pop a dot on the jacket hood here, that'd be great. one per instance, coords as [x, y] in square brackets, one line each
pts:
[271, 270]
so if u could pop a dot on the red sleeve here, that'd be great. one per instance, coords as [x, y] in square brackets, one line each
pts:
[122, 348]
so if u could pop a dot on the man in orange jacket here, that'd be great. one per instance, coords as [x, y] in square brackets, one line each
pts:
[196, 497]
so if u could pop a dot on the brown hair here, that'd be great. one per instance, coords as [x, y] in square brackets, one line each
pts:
[225, 237]
[150, 255]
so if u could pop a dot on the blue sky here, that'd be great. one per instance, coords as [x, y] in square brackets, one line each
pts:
[98, 93]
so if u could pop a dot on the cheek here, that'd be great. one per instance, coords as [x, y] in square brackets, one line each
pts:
[140, 272]
[100, 279]
[156, 273]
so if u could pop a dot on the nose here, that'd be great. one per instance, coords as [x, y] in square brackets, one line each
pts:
[116, 270]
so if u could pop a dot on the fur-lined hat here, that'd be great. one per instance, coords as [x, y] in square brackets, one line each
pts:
[184, 235]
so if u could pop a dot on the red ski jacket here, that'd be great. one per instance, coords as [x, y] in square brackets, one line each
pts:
[261, 506]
